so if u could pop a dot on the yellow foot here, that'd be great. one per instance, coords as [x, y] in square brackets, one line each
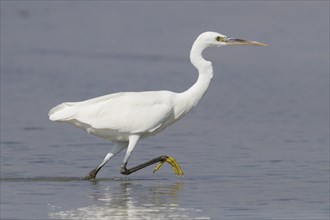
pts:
[176, 168]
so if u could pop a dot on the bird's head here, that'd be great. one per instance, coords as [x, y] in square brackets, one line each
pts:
[216, 39]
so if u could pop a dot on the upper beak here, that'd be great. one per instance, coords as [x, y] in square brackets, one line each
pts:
[232, 41]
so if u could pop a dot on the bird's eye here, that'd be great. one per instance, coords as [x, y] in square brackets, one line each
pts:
[219, 38]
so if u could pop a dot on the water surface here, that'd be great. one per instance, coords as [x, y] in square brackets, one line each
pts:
[256, 147]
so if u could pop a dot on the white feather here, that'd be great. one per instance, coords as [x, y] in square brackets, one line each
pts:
[129, 112]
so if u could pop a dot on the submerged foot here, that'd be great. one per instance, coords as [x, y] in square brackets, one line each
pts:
[91, 175]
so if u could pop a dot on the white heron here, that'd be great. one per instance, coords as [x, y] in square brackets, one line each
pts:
[126, 117]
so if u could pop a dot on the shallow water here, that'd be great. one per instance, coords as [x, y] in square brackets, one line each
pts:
[256, 147]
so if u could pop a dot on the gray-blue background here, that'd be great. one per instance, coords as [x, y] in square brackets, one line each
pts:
[257, 146]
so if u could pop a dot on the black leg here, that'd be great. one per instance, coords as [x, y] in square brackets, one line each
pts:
[115, 150]
[162, 159]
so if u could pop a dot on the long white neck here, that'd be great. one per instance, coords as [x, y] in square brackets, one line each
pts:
[190, 98]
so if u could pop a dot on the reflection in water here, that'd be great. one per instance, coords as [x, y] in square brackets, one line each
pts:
[133, 201]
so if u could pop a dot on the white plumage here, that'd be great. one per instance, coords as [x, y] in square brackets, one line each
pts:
[126, 117]
[121, 114]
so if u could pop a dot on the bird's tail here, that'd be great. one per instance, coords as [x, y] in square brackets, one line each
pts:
[63, 112]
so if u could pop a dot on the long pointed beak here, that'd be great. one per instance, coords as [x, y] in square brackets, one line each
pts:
[232, 41]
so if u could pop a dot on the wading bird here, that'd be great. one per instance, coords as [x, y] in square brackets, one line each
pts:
[126, 117]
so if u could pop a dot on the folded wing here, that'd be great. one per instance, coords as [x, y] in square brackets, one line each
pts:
[128, 112]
